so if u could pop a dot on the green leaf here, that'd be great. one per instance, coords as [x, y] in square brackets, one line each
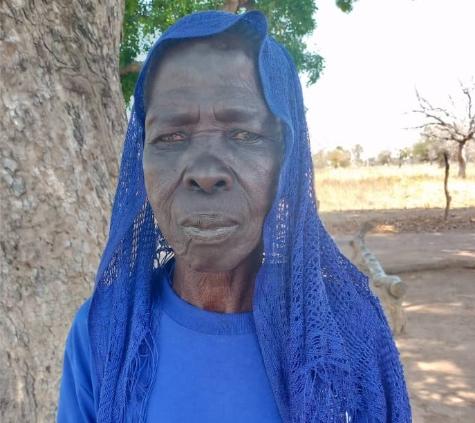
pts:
[289, 22]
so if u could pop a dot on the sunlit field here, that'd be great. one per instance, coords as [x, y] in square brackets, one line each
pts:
[392, 187]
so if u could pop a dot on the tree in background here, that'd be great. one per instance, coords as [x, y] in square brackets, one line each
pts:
[320, 159]
[445, 125]
[427, 150]
[470, 152]
[356, 153]
[404, 154]
[384, 158]
[289, 21]
[339, 157]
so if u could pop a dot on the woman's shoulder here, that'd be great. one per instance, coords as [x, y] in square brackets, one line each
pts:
[78, 337]
[78, 346]
[81, 315]
[77, 393]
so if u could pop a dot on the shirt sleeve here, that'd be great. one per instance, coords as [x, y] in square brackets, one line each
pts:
[76, 397]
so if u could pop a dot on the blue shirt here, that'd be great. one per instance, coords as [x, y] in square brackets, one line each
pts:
[210, 369]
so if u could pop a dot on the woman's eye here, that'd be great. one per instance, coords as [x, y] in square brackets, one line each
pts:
[171, 138]
[246, 136]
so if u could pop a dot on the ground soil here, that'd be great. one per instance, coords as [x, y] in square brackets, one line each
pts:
[438, 348]
[401, 220]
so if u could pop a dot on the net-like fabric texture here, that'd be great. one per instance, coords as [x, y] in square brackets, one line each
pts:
[326, 345]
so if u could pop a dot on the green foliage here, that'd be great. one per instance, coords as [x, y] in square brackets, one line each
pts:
[289, 21]
[426, 150]
[128, 84]
[144, 20]
[345, 5]
[420, 151]
[404, 154]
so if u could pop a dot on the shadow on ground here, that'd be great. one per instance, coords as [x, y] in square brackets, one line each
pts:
[418, 251]
[438, 348]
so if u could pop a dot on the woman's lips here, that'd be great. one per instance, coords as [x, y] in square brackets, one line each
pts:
[211, 234]
[208, 227]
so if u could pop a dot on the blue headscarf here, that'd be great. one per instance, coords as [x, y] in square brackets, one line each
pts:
[326, 345]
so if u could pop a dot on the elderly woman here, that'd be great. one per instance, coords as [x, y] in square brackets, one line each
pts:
[220, 297]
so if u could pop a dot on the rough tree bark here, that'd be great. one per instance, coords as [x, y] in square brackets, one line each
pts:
[62, 119]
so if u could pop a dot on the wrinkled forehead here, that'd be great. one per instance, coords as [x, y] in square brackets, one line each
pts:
[276, 75]
[225, 56]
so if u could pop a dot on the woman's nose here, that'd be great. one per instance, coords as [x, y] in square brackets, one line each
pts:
[209, 175]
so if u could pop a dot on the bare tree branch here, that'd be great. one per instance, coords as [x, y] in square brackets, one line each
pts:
[444, 125]
[471, 112]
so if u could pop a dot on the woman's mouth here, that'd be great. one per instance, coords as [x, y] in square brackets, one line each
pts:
[208, 227]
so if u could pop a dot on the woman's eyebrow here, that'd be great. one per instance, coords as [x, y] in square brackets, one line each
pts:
[236, 113]
[176, 116]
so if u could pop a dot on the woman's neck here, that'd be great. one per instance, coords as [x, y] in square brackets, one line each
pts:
[224, 292]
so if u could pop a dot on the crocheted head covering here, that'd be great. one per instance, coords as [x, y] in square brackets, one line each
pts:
[326, 345]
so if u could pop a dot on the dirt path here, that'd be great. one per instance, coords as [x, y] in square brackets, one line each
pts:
[401, 220]
[439, 346]
[438, 349]
[418, 251]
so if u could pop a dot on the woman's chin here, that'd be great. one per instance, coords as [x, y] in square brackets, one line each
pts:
[210, 260]
[210, 264]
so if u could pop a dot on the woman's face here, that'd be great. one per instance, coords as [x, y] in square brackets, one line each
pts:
[211, 156]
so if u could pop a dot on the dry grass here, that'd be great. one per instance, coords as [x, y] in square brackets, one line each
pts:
[392, 187]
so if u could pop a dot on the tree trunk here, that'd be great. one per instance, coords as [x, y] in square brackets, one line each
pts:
[461, 159]
[448, 198]
[233, 6]
[62, 120]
